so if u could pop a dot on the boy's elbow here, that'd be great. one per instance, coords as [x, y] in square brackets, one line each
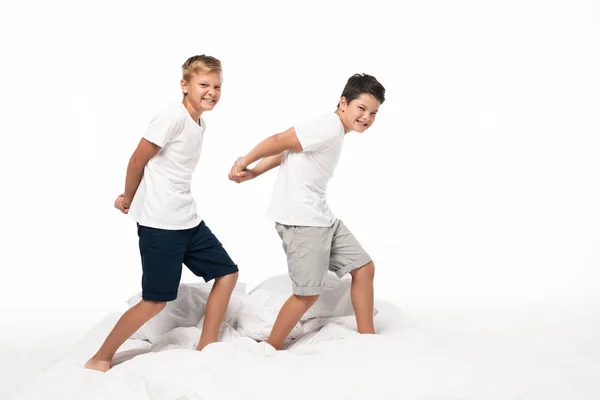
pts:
[287, 141]
[278, 142]
[278, 138]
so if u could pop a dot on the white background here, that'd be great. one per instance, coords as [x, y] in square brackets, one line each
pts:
[477, 187]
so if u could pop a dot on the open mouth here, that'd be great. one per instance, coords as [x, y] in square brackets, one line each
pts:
[363, 125]
[209, 101]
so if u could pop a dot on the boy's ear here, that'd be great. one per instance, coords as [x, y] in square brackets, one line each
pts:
[184, 87]
[343, 103]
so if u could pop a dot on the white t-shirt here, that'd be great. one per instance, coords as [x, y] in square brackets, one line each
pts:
[164, 198]
[299, 194]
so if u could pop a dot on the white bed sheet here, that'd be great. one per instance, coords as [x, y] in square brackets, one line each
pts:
[403, 361]
[90, 343]
[66, 378]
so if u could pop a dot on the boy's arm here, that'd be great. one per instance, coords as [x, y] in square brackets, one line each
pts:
[263, 166]
[271, 146]
[267, 164]
[135, 169]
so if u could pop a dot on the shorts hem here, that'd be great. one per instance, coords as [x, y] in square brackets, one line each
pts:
[362, 261]
[162, 297]
[308, 290]
[221, 273]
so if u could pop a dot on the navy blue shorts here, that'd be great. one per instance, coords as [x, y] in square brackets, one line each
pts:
[164, 251]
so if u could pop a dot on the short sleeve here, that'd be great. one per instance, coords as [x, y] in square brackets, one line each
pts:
[162, 130]
[317, 134]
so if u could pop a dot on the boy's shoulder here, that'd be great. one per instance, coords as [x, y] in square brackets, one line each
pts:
[328, 122]
[323, 118]
[323, 121]
[174, 111]
[177, 113]
[171, 117]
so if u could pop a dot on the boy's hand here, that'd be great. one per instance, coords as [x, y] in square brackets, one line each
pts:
[240, 165]
[241, 176]
[121, 204]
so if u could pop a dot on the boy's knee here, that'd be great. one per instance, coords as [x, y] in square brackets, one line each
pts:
[153, 307]
[307, 300]
[230, 279]
[367, 271]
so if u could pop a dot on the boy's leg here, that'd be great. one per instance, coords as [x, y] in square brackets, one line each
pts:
[348, 256]
[289, 315]
[207, 258]
[162, 253]
[129, 322]
[362, 297]
[307, 249]
[216, 306]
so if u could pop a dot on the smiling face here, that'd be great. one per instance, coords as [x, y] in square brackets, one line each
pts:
[359, 114]
[203, 90]
[201, 78]
[360, 101]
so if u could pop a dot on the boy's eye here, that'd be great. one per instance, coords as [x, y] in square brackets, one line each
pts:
[203, 84]
[362, 108]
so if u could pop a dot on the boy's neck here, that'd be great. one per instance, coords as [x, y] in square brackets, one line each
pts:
[339, 114]
[195, 114]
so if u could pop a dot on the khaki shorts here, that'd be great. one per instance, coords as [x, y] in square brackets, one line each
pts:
[312, 250]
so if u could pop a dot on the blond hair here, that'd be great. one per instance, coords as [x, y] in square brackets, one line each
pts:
[201, 64]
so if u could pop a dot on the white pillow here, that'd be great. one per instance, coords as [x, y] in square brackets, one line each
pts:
[335, 301]
[239, 286]
[186, 310]
[226, 332]
[257, 316]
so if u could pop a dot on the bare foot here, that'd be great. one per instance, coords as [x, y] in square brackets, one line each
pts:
[97, 365]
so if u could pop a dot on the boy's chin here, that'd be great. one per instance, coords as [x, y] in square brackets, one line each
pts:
[207, 107]
[356, 127]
